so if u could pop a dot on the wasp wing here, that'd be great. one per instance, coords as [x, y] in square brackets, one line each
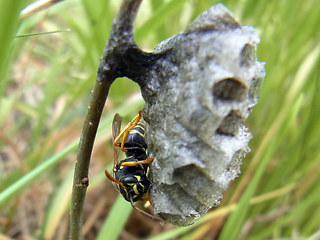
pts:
[116, 125]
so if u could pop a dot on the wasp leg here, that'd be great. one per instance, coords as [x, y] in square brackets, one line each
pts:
[144, 213]
[132, 164]
[125, 132]
[145, 198]
[113, 179]
[149, 200]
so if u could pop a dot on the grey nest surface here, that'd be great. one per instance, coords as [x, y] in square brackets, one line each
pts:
[198, 96]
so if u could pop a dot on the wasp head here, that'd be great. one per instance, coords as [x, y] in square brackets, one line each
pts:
[135, 187]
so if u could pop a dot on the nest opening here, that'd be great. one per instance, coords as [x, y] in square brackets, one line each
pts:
[230, 124]
[230, 89]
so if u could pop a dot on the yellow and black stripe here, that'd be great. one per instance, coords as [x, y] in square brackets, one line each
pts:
[135, 142]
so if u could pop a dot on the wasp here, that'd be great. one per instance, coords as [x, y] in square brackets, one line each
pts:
[130, 175]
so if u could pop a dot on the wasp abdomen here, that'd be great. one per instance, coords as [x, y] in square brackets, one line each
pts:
[135, 143]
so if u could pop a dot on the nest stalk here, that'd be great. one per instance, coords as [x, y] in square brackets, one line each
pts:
[111, 64]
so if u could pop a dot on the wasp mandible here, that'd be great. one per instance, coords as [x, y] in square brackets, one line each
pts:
[131, 174]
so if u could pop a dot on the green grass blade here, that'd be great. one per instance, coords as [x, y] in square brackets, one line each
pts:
[116, 220]
[58, 206]
[133, 103]
[159, 17]
[9, 20]
[32, 175]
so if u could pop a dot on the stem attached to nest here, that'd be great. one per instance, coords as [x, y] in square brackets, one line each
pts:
[111, 67]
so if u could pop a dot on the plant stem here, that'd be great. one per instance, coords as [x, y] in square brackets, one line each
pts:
[111, 66]
[80, 181]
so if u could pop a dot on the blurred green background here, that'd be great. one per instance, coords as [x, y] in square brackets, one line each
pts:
[48, 64]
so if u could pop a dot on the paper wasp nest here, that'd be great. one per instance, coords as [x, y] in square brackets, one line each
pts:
[198, 95]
